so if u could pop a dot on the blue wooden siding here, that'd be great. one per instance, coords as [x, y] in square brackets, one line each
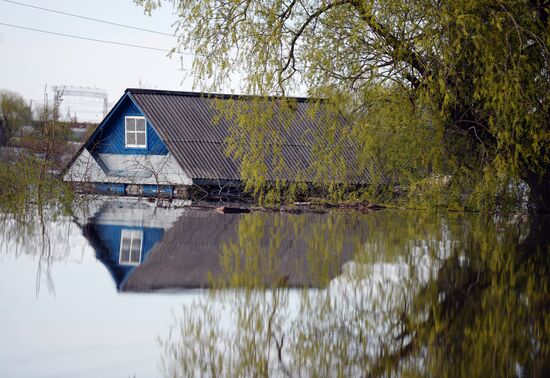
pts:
[110, 137]
[110, 236]
[120, 189]
[152, 190]
[111, 188]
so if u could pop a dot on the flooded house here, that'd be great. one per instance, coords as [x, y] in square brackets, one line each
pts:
[123, 233]
[146, 248]
[163, 142]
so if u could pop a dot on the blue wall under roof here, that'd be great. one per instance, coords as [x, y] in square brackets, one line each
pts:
[109, 138]
[110, 236]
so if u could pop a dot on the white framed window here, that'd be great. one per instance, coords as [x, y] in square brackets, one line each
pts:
[135, 132]
[131, 242]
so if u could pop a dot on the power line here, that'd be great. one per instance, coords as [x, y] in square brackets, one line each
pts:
[95, 39]
[87, 18]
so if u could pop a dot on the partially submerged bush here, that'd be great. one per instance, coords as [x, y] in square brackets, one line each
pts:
[27, 185]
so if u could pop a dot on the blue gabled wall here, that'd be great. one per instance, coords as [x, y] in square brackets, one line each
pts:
[109, 137]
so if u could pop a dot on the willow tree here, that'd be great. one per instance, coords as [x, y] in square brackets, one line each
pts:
[457, 91]
[14, 111]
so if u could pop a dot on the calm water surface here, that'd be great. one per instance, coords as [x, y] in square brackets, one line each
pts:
[126, 289]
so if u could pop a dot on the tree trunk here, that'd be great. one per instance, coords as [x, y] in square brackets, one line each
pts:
[539, 195]
[3, 133]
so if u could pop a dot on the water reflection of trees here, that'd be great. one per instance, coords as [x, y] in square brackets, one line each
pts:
[44, 240]
[425, 295]
[40, 231]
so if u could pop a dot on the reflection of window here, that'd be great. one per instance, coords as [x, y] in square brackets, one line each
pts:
[135, 132]
[130, 247]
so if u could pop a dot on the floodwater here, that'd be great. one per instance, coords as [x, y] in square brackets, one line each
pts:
[125, 289]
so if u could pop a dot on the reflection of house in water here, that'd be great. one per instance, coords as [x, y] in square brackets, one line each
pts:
[123, 234]
[145, 253]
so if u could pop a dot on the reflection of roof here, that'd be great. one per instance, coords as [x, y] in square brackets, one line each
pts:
[275, 248]
[194, 132]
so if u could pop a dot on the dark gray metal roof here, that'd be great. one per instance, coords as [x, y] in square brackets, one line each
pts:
[194, 131]
[266, 248]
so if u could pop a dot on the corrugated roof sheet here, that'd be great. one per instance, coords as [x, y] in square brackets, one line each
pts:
[192, 250]
[194, 131]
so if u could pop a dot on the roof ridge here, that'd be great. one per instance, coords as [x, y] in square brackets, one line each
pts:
[221, 142]
[223, 96]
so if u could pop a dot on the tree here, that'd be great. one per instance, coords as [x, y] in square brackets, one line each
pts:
[14, 111]
[476, 73]
[465, 295]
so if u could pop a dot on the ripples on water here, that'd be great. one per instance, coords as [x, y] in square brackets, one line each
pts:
[396, 293]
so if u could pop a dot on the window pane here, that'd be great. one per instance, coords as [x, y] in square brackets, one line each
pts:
[125, 254]
[130, 124]
[131, 139]
[136, 247]
[140, 124]
[125, 242]
[135, 255]
[136, 240]
[141, 139]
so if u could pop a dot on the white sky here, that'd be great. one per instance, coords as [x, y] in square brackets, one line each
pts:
[30, 60]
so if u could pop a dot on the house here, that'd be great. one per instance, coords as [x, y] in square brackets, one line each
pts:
[147, 249]
[122, 233]
[155, 141]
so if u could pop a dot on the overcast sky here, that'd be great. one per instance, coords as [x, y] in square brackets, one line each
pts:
[29, 60]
